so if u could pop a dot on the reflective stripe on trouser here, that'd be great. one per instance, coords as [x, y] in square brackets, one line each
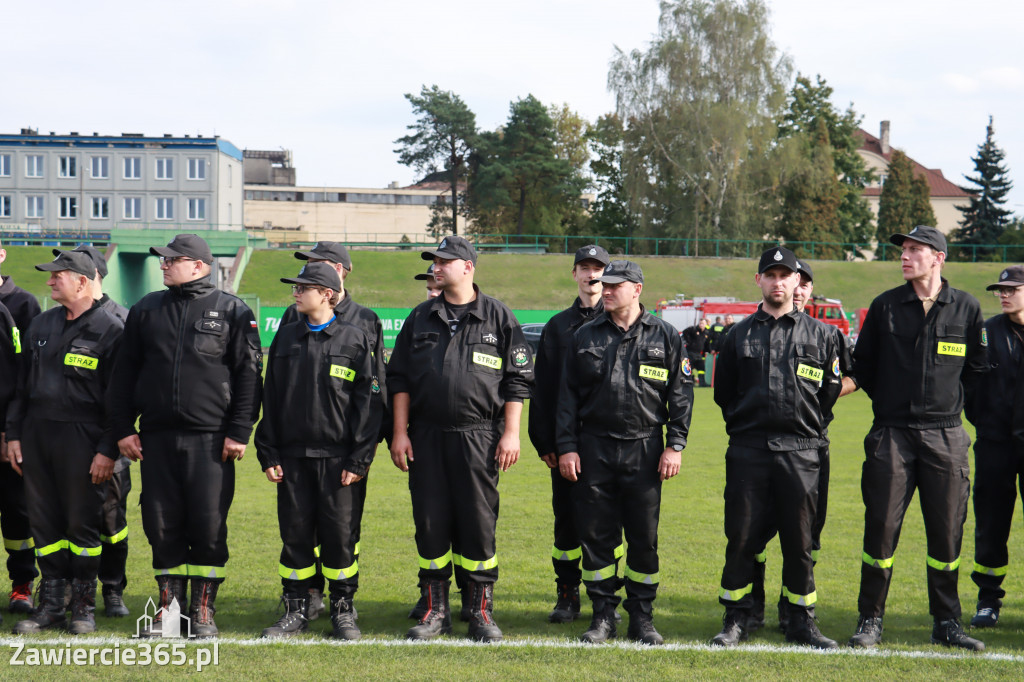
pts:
[800, 599]
[765, 490]
[114, 530]
[21, 560]
[454, 489]
[619, 492]
[998, 470]
[313, 506]
[63, 503]
[899, 461]
[566, 551]
[188, 492]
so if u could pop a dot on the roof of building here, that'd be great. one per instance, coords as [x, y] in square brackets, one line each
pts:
[938, 185]
[124, 141]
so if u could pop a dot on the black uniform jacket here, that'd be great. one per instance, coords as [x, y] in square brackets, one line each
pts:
[190, 360]
[625, 384]
[317, 401]
[551, 357]
[461, 382]
[997, 408]
[23, 306]
[68, 370]
[10, 359]
[919, 370]
[698, 341]
[776, 381]
[114, 308]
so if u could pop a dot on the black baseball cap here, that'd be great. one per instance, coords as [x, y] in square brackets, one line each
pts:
[185, 246]
[1012, 276]
[75, 261]
[330, 251]
[94, 253]
[429, 274]
[452, 248]
[805, 269]
[924, 234]
[622, 271]
[777, 255]
[317, 274]
[592, 252]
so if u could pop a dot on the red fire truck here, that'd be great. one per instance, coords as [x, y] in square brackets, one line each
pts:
[682, 312]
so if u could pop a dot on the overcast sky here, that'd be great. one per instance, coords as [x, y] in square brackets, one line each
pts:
[326, 79]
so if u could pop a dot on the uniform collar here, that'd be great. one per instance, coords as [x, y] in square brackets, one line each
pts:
[761, 316]
[8, 284]
[472, 308]
[194, 289]
[910, 296]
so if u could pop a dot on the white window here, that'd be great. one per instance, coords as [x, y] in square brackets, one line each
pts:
[164, 169]
[197, 169]
[165, 208]
[5, 165]
[197, 209]
[133, 208]
[34, 207]
[68, 167]
[34, 166]
[69, 207]
[132, 168]
[5, 206]
[100, 167]
[100, 207]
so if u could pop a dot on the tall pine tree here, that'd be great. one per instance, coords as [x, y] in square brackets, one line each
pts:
[985, 219]
[904, 204]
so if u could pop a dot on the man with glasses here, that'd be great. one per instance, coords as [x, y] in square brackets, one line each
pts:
[997, 412]
[189, 369]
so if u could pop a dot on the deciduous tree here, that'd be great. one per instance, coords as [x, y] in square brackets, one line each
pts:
[905, 203]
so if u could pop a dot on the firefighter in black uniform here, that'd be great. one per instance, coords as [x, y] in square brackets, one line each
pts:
[60, 437]
[626, 378]
[997, 411]
[21, 561]
[433, 290]
[316, 439]
[698, 344]
[777, 377]
[189, 367]
[920, 353]
[588, 265]
[347, 310]
[458, 376]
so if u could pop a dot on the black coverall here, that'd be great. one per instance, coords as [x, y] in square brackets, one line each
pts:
[997, 410]
[319, 419]
[776, 381]
[458, 386]
[917, 369]
[618, 391]
[189, 366]
[698, 343]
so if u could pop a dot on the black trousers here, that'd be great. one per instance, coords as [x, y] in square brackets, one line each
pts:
[998, 471]
[21, 557]
[898, 461]
[313, 507]
[619, 491]
[63, 503]
[699, 368]
[453, 483]
[186, 493]
[114, 530]
[567, 550]
[767, 490]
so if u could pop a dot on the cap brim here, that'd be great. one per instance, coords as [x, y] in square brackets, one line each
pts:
[614, 279]
[52, 267]
[165, 251]
[447, 255]
[778, 265]
[306, 255]
[1004, 283]
[301, 280]
[423, 276]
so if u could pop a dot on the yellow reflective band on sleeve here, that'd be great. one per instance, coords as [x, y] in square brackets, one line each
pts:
[958, 349]
[815, 553]
[50, 549]
[343, 372]
[472, 565]
[438, 563]
[642, 578]
[619, 551]
[14, 544]
[16, 339]
[566, 554]
[736, 595]
[599, 574]
[491, 361]
[800, 599]
[340, 573]
[174, 570]
[877, 563]
[944, 565]
[656, 373]
[985, 570]
[296, 573]
[356, 550]
[316, 551]
[207, 572]
[762, 557]
[83, 361]
[808, 372]
[84, 551]
[115, 538]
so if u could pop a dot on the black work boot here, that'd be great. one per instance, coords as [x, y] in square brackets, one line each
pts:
[21, 598]
[419, 608]
[803, 630]
[755, 621]
[869, 633]
[602, 624]
[295, 618]
[567, 606]
[316, 603]
[950, 633]
[466, 612]
[641, 628]
[482, 627]
[51, 610]
[343, 619]
[202, 609]
[438, 618]
[171, 588]
[83, 607]
[113, 602]
[734, 627]
[783, 614]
